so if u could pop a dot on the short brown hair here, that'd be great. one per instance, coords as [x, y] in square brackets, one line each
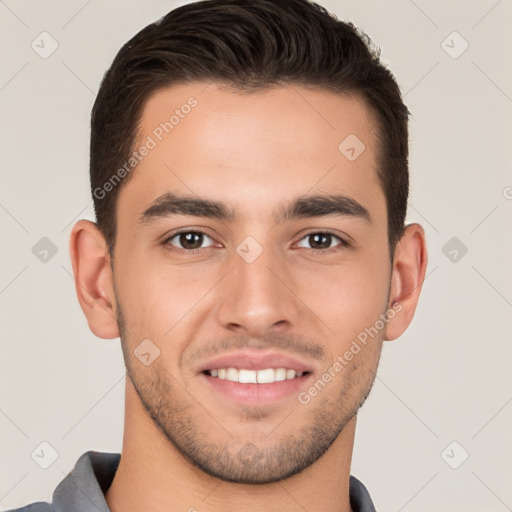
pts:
[250, 45]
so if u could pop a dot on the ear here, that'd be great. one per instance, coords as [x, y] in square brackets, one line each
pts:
[409, 267]
[94, 282]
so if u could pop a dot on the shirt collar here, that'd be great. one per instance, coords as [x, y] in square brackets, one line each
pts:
[83, 489]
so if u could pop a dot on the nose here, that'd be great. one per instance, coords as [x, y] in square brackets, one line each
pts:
[257, 298]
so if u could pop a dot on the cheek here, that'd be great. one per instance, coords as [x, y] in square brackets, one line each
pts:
[157, 298]
[348, 298]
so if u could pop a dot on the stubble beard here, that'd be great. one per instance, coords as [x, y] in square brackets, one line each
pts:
[201, 438]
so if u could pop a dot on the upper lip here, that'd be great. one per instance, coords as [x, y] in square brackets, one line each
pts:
[252, 360]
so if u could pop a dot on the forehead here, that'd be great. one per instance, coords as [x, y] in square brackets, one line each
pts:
[249, 149]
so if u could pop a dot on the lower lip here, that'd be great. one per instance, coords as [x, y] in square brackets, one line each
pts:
[257, 394]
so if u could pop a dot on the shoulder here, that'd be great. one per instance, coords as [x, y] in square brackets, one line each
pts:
[40, 506]
[92, 474]
[360, 499]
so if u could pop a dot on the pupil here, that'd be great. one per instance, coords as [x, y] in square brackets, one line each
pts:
[191, 240]
[323, 240]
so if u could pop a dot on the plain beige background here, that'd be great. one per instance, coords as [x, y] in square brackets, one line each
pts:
[448, 379]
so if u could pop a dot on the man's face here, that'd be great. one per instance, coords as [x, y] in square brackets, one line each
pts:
[257, 290]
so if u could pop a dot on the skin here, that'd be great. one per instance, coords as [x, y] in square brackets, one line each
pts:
[186, 447]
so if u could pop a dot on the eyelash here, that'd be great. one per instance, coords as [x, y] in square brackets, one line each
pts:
[343, 243]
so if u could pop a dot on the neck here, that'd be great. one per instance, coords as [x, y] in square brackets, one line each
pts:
[153, 475]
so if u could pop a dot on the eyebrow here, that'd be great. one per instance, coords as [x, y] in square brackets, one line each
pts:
[170, 204]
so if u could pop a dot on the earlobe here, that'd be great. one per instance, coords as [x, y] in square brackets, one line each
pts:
[93, 278]
[409, 267]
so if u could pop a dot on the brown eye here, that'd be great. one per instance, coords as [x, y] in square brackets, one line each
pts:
[189, 240]
[321, 240]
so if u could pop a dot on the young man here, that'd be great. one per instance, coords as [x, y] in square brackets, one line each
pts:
[250, 177]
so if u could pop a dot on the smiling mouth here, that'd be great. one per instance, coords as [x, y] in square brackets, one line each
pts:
[264, 376]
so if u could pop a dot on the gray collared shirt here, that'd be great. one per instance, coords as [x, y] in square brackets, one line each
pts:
[83, 489]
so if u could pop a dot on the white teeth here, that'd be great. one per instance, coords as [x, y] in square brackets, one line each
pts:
[290, 374]
[232, 374]
[246, 376]
[266, 376]
[280, 374]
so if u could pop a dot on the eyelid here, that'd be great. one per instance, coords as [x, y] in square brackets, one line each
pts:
[345, 240]
[166, 240]
[333, 232]
[189, 229]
